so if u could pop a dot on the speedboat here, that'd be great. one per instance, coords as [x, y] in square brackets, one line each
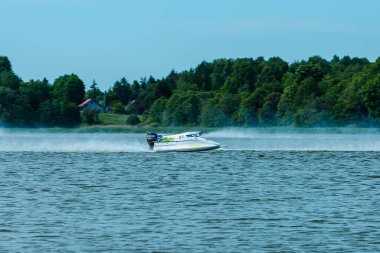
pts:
[185, 142]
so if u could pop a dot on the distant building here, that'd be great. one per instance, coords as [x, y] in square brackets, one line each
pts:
[90, 104]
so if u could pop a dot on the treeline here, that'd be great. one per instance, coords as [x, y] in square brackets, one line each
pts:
[225, 92]
[38, 103]
[258, 92]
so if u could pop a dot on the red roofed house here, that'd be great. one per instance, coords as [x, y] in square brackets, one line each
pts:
[90, 104]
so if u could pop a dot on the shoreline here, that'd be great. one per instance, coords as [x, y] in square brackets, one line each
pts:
[177, 129]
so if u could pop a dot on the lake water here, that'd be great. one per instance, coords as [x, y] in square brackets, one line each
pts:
[264, 191]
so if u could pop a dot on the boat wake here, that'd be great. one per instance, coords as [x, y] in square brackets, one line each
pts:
[70, 142]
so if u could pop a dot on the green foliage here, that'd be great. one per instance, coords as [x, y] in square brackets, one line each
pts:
[211, 116]
[286, 106]
[271, 71]
[156, 111]
[224, 92]
[267, 112]
[349, 108]
[228, 103]
[70, 88]
[135, 90]
[243, 76]
[90, 116]
[59, 113]
[121, 92]
[371, 96]
[37, 92]
[222, 68]
[133, 120]
[187, 81]
[9, 79]
[20, 114]
[118, 107]
[7, 97]
[202, 76]
[183, 108]
[5, 64]
[94, 92]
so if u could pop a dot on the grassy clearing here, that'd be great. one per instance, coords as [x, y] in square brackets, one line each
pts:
[110, 122]
[112, 119]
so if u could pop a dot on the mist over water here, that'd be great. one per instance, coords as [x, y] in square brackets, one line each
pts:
[230, 139]
[329, 139]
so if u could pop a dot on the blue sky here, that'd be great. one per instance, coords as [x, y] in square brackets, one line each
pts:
[109, 39]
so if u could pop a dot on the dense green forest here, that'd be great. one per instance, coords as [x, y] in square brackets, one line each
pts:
[225, 92]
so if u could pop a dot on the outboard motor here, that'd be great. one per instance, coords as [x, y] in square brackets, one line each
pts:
[151, 138]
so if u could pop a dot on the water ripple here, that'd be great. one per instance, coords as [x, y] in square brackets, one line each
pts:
[222, 201]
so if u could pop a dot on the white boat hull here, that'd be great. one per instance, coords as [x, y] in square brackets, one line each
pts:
[185, 146]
